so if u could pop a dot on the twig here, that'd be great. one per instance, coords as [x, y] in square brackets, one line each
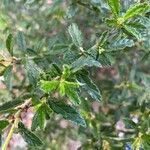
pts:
[10, 134]
[15, 124]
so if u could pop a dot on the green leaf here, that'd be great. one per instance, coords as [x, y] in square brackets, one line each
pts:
[10, 43]
[39, 118]
[35, 122]
[66, 71]
[3, 124]
[137, 9]
[38, 47]
[121, 44]
[145, 21]
[69, 89]
[89, 86]
[57, 69]
[111, 22]
[133, 31]
[54, 71]
[29, 136]
[49, 86]
[137, 25]
[68, 112]
[84, 61]
[8, 77]
[62, 88]
[103, 38]
[10, 105]
[52, 42]
[63, 84]
[70, 56]
[71, 84]
[72, 94]
[21, 41]
[76, 35]
[115, 6]
[33, 71]
[59, 49]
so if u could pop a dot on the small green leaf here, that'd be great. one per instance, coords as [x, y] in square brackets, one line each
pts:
[29, 136]
[84, 61]
[121, 44]
[66, 71]
[39, 118]
[145, 21]
[103, 38]
[137, 25]
[137, 9]
[89, 86]
[115, 6]
[72, 94]
[57, 69]
[10, 43]
[35, 122]
[33, 71]
[8, 77]
[52, 42]
[54, 71]
[21, 41]
[111, 22]
[59, 49]
[72, 84]
[133, 31]
[62, 88]
[3, 124]
[76, 35]
[49, 86]
[10, 105]
[68, 112]
[69, 89]
[65, 88]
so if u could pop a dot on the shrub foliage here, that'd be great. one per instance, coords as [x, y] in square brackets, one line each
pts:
[58, 57]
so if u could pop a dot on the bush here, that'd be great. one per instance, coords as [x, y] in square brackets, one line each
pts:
[82, 61]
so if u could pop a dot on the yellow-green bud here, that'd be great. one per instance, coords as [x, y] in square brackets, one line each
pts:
[101, 50]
